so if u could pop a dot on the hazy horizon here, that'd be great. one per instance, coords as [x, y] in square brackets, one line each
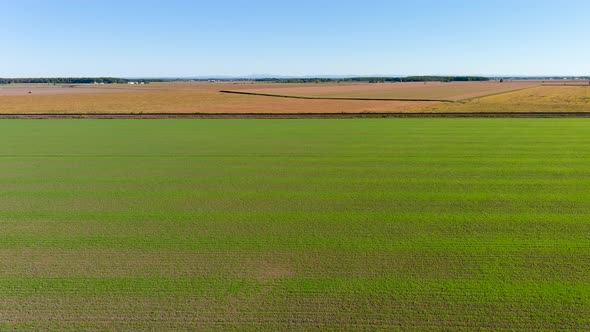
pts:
[280, 76]
[307, 38]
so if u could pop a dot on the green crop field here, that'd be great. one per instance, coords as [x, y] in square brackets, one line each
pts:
[357, 224]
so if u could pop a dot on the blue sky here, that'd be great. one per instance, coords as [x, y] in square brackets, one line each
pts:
[190, 38]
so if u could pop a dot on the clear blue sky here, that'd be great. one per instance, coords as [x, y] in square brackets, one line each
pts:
[189, 38]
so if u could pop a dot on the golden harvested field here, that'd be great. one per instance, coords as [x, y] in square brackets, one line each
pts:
[188, 98]
[537, 99]
[411, 90]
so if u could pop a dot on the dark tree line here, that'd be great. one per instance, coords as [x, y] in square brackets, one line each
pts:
[114, 80]
[66, 80]
[445, 78]
[378, 79]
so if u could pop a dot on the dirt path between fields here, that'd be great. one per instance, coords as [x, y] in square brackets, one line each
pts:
[296, 115]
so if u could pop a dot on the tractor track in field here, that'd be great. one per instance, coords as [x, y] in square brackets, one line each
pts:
[331, 98]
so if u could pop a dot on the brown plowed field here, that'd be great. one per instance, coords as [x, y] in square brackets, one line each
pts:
[186, 98]
[23, 91]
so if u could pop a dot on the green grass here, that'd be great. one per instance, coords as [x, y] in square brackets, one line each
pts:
[295, 224]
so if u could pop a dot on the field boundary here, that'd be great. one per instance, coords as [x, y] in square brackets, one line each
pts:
[497, 93]
[554, 84]
[295, 115]
[332, 98]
